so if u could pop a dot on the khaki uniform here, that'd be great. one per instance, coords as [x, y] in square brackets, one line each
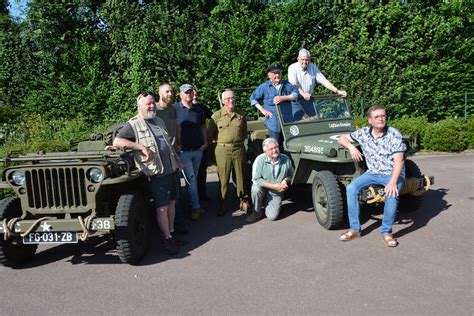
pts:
[229, 130]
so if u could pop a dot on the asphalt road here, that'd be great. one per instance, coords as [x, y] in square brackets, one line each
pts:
[290, 266]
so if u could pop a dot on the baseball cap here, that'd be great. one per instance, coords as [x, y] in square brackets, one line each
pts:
[185, 87]
[273, 68]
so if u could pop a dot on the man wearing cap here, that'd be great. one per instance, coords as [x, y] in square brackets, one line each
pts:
[228, 129]
[304, 75]
[273, 92]
[193, 136]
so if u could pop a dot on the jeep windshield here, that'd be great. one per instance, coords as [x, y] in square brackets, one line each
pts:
[319, 108]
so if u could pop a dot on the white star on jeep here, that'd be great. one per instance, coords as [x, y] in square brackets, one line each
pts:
[45, 227]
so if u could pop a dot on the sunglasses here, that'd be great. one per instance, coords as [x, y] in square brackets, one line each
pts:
[144, 95]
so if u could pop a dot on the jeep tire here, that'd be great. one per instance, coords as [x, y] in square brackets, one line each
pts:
[132, 227]
[327, 200]
[407, 202]
[12, 251]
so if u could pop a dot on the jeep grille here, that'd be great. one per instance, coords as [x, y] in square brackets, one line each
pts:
[56, 188]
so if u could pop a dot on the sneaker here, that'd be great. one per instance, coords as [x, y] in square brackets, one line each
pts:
[170, 246]
[196, 213]
[178, 241]
[253, 217]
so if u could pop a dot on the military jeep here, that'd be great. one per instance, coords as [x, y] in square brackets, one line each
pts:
[310, 134]
[63, 197]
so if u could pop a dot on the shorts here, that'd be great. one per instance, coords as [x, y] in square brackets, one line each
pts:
[164, 189]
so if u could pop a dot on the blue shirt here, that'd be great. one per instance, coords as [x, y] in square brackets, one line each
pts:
[379, 152]
[266, 92]
[190, 121]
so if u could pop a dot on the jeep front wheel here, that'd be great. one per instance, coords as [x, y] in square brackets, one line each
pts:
[132, 227]
[13, 251]
[327, 200]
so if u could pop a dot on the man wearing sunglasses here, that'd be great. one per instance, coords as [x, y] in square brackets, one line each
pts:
[383, 149]
[146, 135]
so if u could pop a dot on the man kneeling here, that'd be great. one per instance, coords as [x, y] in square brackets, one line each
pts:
[271, 175]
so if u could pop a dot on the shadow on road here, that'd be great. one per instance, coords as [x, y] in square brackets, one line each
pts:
[432, 205]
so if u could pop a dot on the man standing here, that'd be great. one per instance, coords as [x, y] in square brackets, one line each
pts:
[146, 135]
[193, 142]
[273, 92]
[384, 153]
[228, 128]
[271, 175]
[202, 174]
[166, 111]
[304, 75]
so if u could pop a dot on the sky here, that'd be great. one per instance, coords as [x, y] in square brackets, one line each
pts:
[16, 7]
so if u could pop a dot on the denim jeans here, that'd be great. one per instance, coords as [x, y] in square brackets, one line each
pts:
[390, 204]
[191, 161]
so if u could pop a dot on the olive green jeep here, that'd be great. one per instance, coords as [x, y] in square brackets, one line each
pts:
[311, 141]
[64, 197]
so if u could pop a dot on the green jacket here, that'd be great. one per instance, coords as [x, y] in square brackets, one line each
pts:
[262, 170]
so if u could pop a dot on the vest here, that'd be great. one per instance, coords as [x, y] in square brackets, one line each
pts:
[144, 136]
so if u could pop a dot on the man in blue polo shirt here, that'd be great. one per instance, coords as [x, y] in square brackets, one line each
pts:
[193, 142]
[274, 91]
[383, 150]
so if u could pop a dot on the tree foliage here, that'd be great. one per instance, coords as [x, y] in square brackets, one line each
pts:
[89, 58]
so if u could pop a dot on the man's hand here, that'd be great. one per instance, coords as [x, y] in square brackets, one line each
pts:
[146, 152]
[282, 186]
[355, 153]
[203, 147]
[277, 99]
[391, 189]
[306, 96]
[342, 93]
[266, 113]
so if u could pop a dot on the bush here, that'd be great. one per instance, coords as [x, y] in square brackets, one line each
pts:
[360, 122]
[447, 135]
[414, 126]
[470, 132]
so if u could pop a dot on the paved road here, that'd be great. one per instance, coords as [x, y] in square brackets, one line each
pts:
[291, 266]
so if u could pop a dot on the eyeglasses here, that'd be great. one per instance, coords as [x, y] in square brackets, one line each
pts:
[229, 98]
[144, 95]
[379, 117]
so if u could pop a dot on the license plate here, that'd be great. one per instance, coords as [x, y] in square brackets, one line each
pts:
[51, 238]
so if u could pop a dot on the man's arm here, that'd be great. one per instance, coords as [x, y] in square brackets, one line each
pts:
[391, 188]
[328, 85]
[212, 129]
[128, 144]
[346, 141]
[258, 95]
[204, 137]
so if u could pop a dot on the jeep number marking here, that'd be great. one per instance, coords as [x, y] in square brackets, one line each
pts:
[101, 224]
[313, 149]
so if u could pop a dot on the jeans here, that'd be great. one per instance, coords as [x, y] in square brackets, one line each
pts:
[191, 161]
[390, 204]
[264, 197]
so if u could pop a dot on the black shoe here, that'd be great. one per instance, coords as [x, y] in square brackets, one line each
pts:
[170, 246]
[177, 241]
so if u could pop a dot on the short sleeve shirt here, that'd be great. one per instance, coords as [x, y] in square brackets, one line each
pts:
[168, 115]
[305, 79]
[165, 153]
[191, 121]
[379, 153]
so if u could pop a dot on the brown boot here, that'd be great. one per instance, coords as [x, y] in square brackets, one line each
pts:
[245, 204]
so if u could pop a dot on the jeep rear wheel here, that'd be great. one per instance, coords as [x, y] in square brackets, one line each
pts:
[13, 251]
[132, 227]
[327, 200]
[407, 202]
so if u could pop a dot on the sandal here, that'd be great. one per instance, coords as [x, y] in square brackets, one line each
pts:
[389, 241]
[349, 235]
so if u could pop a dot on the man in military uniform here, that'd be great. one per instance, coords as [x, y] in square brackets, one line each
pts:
[228, 129]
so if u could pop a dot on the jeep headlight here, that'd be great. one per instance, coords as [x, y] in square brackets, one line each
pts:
[18, 178]
[96, 175]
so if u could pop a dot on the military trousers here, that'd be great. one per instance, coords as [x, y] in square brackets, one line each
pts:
[231, 158]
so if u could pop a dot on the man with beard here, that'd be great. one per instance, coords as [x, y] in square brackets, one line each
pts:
[272, 92]
[166, 111]
[156, 158]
